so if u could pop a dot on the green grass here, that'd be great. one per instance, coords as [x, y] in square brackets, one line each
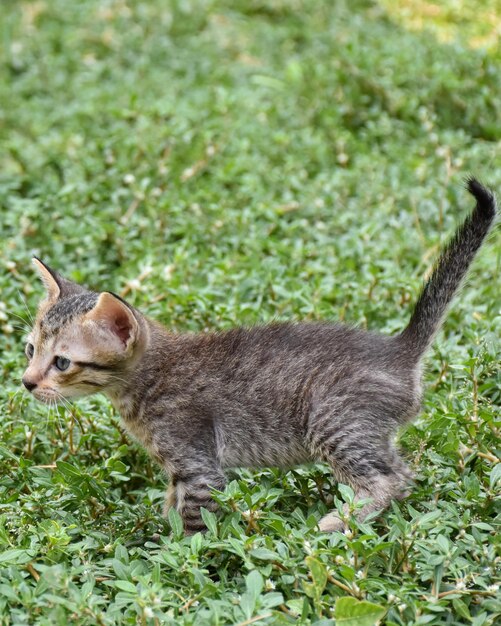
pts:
[225, 163]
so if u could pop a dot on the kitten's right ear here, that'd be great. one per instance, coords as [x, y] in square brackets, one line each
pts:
[54, 283]
[117, 321]
[49, 279]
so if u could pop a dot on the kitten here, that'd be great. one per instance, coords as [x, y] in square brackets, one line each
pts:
[279, 395]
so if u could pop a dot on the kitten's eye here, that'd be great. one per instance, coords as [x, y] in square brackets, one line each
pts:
[30, 350]
[61, 363]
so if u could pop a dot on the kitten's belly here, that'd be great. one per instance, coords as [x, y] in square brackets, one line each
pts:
[262, 454]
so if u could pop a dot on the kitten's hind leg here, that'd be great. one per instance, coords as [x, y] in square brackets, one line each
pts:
[376, 474]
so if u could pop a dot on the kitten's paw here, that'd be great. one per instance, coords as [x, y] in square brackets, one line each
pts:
[331, 523]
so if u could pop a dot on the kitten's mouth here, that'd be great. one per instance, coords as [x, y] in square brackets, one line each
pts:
[47, 396]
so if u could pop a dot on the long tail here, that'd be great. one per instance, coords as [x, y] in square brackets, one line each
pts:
[449, 271]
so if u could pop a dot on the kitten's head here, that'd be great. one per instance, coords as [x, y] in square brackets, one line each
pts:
[81, 342]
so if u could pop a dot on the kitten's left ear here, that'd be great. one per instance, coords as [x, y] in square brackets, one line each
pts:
[112, 314]
[55, 285]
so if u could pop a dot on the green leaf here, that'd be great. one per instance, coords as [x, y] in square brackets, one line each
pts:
[264, 554]
[125, 585]
[461, 608]
[209, 520]
[352, 612]
[15, 557]
[254, 583]
[318, 572]
[176, 523]
[70, 472]
[495, 475]
[346, 492]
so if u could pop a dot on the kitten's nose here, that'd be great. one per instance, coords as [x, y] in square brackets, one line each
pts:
[29, 385]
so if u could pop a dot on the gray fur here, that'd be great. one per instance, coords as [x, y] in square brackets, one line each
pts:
[277, 395]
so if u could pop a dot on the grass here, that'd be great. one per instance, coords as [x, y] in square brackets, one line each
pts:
[223, 163]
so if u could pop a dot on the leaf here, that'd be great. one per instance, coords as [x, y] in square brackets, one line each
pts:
[70, 472]
[15, 557]
[318, 573]
[352, 612]
[120, 569]
[176, 523]
[254, 583]
[428, 517]
[461, 608]
[495, 475]
[196, 543]
[127, 586]
[272, 599]
[121, 553]
[483, 526]
[346, 492]
[5, 452]
[443, 543]
[264, 554]
[8, 592]
[209, 520]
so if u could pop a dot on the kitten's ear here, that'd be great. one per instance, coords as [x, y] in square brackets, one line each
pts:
[112, 314]
[55, 285]
[49, 279]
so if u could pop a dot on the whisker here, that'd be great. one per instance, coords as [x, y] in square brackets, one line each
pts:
[30, 316]
[47, 417]
[71, 408]
[24, 329]
[27, 324]
[119, 378]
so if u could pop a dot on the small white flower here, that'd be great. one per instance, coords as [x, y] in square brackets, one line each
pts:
[134, 284]
[168, 269]
[319, 203]
[156, 192]
[339, 559]
[342, 158]
[129, 179]
[16, 47]
[211, 151]
[269, 585]
[108, 547]
[493, 588]
[460, 585]
[148, 613]
[392, 598]
[402, 607]
[348, 533]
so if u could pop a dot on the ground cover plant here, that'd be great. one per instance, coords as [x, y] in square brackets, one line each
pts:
[225, 163]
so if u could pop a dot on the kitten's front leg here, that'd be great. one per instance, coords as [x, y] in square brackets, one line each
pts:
[193, 492]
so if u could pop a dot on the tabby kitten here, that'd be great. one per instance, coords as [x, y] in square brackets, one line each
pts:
[279, 395]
